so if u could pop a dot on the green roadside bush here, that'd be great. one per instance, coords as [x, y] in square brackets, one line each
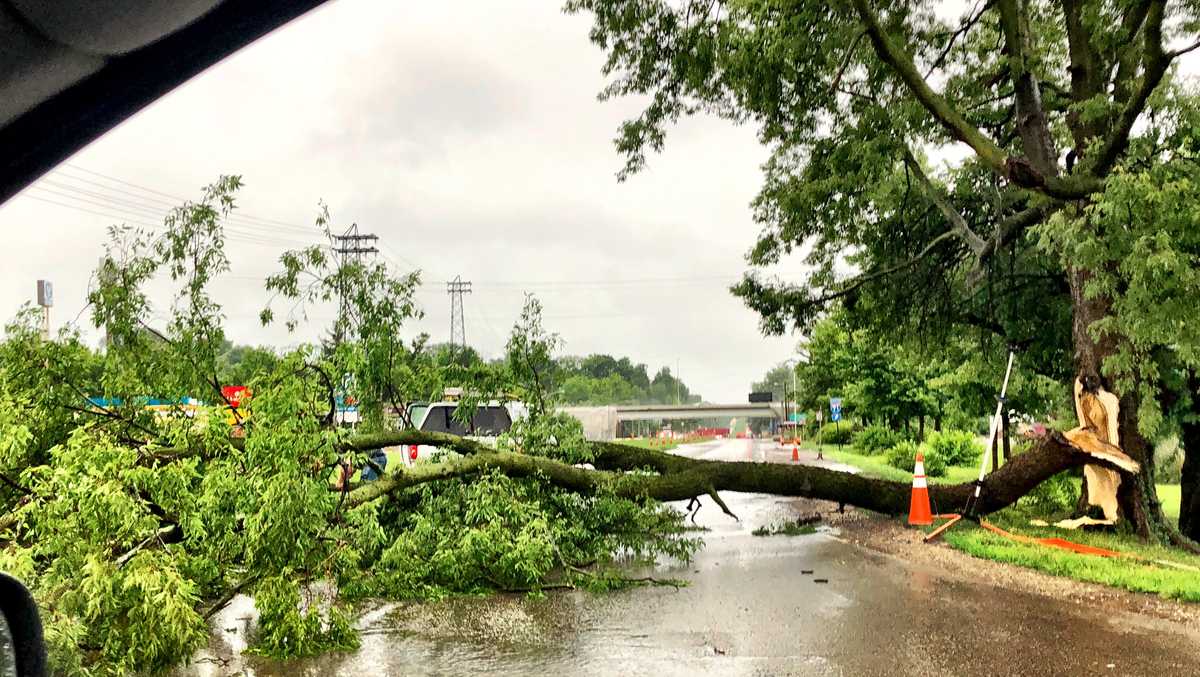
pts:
[876, 439]
[955, 447]
[836, 433]
[904, 456]
[1055, 495]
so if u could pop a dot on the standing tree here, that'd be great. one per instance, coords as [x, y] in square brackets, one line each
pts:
[1079, 139]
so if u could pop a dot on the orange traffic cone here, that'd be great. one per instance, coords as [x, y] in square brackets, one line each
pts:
[919, 512]
[795, 454]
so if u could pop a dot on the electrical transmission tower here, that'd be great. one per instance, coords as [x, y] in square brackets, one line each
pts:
[350, 246]
[455, 289]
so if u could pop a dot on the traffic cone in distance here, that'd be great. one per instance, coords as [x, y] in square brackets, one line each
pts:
[795, 454]
[919, 512]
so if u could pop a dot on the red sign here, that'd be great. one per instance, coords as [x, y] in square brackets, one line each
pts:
[234, 394]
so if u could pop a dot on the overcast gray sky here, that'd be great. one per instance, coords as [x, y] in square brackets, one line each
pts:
[468, 136]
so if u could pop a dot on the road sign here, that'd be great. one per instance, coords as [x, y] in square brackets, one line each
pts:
[794, 417]
[45, 293]
[835, 409]
[765, 396]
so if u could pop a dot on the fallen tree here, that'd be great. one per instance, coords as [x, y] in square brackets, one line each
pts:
[676, 478]
[129, 524]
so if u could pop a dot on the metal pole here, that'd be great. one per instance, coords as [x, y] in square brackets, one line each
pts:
[992, 430]
[795, 404]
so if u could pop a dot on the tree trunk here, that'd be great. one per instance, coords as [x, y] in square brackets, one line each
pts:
[1189, 481]
[1136, 496]
[921, 428]
[680, 478]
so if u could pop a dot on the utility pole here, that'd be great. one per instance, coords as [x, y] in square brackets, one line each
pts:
[455, 289]
[347, 245]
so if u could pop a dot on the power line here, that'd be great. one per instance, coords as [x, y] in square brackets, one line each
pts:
[487, 323]
[124, 214]
[606, 281]
[148, 205]
[177, 198]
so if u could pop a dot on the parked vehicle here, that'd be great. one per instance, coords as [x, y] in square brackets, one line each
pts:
[489, 422]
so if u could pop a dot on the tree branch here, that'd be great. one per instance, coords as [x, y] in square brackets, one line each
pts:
[1031, 118]
[962, 30]
[1154, 66]
[1183, 50]
[958, 127]
[955, 219]
[837, 79]
[1016, 169]
[1014, 226]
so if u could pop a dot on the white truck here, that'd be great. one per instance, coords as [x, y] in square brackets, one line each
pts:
[489, 422]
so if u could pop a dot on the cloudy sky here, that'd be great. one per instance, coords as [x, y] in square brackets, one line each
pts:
[468, 136]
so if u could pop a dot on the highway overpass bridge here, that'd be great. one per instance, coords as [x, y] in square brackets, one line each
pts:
[601, 423]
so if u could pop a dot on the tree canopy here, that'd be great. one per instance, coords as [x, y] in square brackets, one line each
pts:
[137, 502]
[999, 172]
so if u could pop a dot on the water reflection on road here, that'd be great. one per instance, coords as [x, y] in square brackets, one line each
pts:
[749, 610]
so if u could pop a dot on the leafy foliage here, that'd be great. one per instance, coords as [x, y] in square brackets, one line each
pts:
[133, 526]
[836, 433]
[876, 439]
[1056, 495]
[904, 457]
[956, 447]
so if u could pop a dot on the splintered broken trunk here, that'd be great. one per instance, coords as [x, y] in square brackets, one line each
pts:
[1136, 496]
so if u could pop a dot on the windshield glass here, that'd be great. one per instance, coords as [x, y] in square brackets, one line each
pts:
[812, 338]
[488, 420]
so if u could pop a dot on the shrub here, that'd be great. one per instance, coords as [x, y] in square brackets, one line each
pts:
[836, 433]
[875, 439]
[956, 447]
[1055, 495]
[904, 456]
[1168, 461]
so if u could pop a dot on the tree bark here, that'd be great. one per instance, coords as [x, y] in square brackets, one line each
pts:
[1136, 496]
[1189, 481]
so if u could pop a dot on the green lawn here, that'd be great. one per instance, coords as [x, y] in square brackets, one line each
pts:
[876, 466]
[1137, 575]
[1169, 495]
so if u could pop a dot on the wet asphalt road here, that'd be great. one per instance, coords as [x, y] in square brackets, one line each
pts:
[749, 610]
